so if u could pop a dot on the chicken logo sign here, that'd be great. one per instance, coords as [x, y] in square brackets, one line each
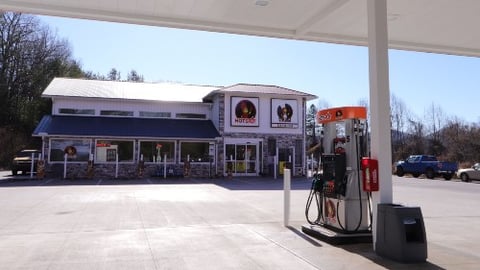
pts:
[244, 111]
[284, 113]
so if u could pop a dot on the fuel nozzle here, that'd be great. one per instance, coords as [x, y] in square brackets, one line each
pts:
[318, 182]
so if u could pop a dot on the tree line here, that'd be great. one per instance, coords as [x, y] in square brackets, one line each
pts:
[31, 55]
[448, 138]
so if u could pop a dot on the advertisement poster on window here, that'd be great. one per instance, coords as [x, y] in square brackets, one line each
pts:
[244, 112]
[284, 113]
[76, 150]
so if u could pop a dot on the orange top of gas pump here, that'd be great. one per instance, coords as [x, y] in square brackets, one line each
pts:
[341, 113]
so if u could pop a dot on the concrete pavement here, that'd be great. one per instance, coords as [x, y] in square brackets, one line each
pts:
[200, 224]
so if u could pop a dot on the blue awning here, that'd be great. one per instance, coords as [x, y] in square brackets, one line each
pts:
[91, 126]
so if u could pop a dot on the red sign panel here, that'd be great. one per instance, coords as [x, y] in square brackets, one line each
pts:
[341, 113]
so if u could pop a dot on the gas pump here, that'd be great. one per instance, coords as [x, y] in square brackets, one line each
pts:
[343, 204]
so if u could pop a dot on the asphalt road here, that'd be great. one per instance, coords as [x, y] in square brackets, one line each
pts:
[439, 182]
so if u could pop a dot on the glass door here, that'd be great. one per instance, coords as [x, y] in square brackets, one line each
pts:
[230, 159]
[251, 158]
[241, 159]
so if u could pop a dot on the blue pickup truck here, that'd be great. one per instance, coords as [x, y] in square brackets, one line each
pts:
[428, 165]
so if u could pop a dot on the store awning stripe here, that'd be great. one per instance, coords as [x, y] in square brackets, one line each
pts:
[125, 127]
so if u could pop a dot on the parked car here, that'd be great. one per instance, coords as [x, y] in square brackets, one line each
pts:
[22, 161]
[470, 174]
[428, 165]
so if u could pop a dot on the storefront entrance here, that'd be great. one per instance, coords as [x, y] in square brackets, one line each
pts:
[286, 159]
[242, 159]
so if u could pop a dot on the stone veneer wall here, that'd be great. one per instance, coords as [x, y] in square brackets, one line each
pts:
[78, 170]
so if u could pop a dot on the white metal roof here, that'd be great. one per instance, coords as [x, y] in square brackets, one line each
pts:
[126, 90]
[170, 92]
[261, 89]
[442, 26]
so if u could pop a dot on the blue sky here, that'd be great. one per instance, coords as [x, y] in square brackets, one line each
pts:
[337, 74]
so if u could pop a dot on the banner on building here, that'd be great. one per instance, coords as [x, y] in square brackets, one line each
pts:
[76, 149]
[244, 112]
[284, 113]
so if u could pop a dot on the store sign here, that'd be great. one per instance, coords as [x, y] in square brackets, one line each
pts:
[103, 145]
[244, 112]
[284, 113]
[341, 113]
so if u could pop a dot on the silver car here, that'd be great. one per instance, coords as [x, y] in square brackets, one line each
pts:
[470, 174]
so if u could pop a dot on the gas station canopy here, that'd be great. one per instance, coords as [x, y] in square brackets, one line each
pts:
[439, 26]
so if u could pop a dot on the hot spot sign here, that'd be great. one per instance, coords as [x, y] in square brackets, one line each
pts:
[244, 112]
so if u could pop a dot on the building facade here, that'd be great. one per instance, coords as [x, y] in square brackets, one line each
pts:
[108, 129]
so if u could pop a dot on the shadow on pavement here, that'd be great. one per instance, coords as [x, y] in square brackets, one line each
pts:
[366, 251]
[236, 183]
[266, 183]
[304, 236]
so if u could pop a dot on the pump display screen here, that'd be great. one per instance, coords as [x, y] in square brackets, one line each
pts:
[334, 168]
[328, 166]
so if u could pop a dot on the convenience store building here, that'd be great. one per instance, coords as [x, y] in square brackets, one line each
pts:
[171, 129]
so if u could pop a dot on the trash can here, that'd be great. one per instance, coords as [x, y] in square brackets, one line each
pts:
[401, 233]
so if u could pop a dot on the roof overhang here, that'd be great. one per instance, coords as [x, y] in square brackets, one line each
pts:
[439, 26]
[244, 88]
[97, 127]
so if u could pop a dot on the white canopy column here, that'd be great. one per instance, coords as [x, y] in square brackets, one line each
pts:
[379, 102]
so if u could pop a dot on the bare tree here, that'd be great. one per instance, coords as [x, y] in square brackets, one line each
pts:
[323, 104]
[363, 102]
[450, 138]
[399, 117]
[435, 118]
[462, 141]
[415, 142]
[30, 57]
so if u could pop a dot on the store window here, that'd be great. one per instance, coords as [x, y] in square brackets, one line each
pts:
[76, 111]
[107, 150]
[76, 150]
[230, 157]
[196, 151]
[155, 151]
[191, 115]
[155, 114]
[116, 113]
